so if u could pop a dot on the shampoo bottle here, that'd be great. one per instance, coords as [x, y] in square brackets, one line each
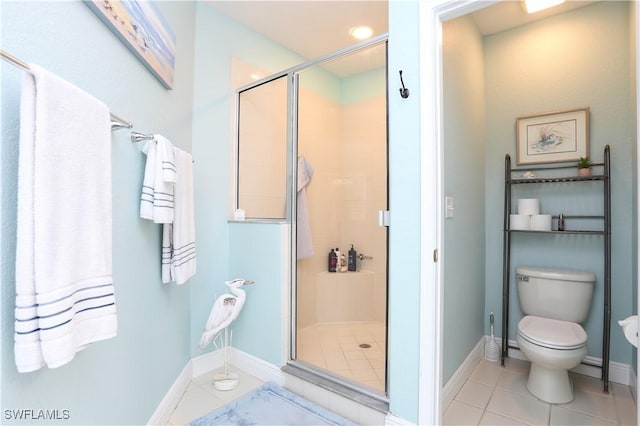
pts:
[337, 260]
[352, 259]
[333, 261]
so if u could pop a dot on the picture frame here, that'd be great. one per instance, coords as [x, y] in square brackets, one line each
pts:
[554, 137]
[141, 27]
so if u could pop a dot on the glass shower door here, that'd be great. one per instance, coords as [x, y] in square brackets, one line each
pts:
[341, 309]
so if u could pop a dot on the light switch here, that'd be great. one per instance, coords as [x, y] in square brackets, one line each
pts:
[448, 207]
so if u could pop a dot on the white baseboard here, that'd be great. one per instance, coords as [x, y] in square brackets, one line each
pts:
[461, 375]
[162, 413]
[265, 371]
[618, 372]
[257, 367]
[391, 420]
[633, 385]
[207, 363]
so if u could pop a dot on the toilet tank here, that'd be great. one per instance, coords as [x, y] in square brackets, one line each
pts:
[560, 294]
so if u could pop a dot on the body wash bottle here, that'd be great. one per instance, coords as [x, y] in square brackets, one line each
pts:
[352, 260]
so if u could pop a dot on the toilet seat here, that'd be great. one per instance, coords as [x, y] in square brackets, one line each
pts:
[551, 333]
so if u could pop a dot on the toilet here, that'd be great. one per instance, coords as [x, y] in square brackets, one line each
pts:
[555, 302]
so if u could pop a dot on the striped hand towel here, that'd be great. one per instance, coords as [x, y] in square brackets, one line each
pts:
[157, 198]
[179, 238]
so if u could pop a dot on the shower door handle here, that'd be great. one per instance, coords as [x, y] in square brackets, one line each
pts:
[384, 218]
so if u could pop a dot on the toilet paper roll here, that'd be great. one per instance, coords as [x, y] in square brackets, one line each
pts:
[541, 222]
[520, 222]
[529, 206]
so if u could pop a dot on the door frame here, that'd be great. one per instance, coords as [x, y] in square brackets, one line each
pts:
[373, 399]
[431, 17]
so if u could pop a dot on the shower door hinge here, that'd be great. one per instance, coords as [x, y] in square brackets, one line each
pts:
[435, 256]
[384, 218]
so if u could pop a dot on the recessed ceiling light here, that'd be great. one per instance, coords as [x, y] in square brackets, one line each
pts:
[361, 33]
[533, 6]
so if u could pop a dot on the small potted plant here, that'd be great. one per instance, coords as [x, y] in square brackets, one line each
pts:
[584, 166]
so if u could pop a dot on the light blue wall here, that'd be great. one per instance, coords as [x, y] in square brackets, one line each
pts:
[256, 253]
[121, 380]
[212, 143]
[404, 203]
[161, 325]
[464, 169]
[576, 59]
[229, 247]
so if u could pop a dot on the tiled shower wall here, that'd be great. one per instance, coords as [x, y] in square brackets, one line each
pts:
[346, 146]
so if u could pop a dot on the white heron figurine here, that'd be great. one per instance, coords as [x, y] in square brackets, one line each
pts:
[224, 311]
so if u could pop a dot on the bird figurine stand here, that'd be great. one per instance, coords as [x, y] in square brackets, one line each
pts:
[227, 380]
[225, 310]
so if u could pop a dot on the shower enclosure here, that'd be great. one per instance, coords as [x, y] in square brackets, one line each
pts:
[333, 193]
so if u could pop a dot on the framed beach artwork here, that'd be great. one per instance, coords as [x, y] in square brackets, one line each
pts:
[555, 137]
[142, 28]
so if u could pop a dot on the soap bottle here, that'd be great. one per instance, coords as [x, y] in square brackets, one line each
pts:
[353, 256]
[333, 261]
[337, 260]
[343, 263]
[561, 222]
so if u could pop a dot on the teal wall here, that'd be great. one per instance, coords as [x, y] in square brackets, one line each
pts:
[121, 380]
[212, 141]
[576, 59]
[237, 244]
[464, 169]
[404, 203]
[229, 248]
[256, 253]
[160, 326]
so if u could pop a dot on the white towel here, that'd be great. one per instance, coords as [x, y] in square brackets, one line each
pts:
[179, 238]
[304, 242]
[64, 289]
[156, 200]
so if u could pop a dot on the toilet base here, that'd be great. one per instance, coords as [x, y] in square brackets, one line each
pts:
[552, 386]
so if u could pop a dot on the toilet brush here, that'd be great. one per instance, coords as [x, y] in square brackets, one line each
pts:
[491, 348]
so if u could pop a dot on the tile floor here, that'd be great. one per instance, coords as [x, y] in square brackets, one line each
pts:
[201, 397]
[492, 396]
[497, 396]
[336, 347]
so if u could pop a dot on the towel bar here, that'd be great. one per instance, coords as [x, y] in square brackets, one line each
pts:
[139, 137]
[116, 122]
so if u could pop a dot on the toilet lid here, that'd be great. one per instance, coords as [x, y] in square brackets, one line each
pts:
[551, 333]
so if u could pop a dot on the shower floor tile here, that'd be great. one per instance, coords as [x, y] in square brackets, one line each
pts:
[336, 347]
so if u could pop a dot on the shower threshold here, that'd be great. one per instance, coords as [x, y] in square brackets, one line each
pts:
[334, 384]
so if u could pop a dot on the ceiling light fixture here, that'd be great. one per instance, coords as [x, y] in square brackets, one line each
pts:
[361, 33]
[533, 6]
